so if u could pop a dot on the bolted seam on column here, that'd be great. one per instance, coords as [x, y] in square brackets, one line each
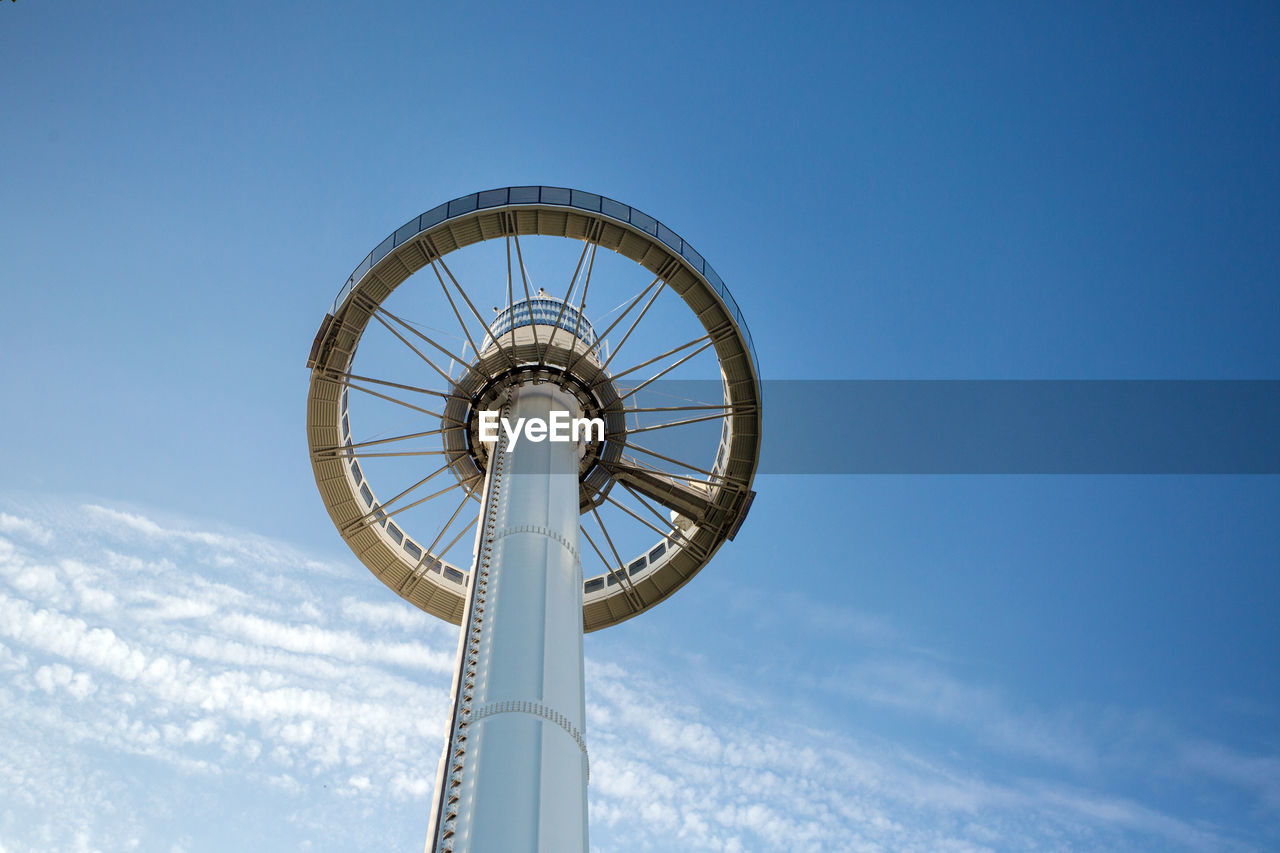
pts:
[543, 531]
[536, 709]
[480, 580]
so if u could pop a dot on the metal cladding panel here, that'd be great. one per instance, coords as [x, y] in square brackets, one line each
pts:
[391, 271]
[328, 469]
[440, 241]
[552, 222]
[466, 232]
[526, 220]
[492, 225]
[655, 258]
[596, 615]
[681, 281]
[503, 756]
[633, 246]
[610, 236]
[323, 413]
[363, 540]
[618, 608]
[395, 574]
[335, 490]
[345, 512]
[326, 391]
[578, 226]
[414, 255]
[522, 772]
[713, 315]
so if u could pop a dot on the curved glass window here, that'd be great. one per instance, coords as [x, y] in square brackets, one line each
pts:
[543, 311]
[555, 195]
[493, 198]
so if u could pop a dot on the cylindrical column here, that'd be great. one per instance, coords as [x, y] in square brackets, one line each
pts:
[515, 774]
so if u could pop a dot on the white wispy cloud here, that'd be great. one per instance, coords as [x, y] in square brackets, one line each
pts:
[25, 527]
[145, 690]
[1257, 774]
[921, 688]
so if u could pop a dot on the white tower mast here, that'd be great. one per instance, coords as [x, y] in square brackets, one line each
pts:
[513, 774]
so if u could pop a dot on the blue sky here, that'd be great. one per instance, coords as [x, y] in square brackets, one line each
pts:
[877, 662]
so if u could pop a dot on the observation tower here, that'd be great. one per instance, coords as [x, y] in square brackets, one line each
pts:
[564, 526]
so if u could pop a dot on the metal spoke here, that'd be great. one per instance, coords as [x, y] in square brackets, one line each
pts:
[636, 409]
[332, 451]
[429, 497]
[397, 402]
[629, 446]
[669, 424]
[405, 341]
[430, 551]
[692, 502]
[664, 534]
[638, 466]
[582, 303]
[627, 586]
[621, 573]
[586, 244]
[555, 327]
[603, 559]
[475, 313]
[666, 354]
[461, 533]
[664, 519]
[416, 485]
[524, 277]
[386, 504]
[600, 338]
[406, 324]
[690, 401]
[510, 296]
[607, 537]
[350, 377]
[684, 538]
[661, 373]
[399, 453]
[454, 306]
[639, 317]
